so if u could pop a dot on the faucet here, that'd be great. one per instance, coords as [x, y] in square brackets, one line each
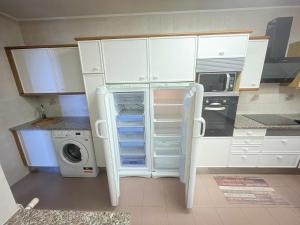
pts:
[43, 112]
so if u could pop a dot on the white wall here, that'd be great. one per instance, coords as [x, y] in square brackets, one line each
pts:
[65, 105]
[13, 108]
[64, 31]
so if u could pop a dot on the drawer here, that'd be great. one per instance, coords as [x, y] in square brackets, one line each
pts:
[167, 146]
[247, 141]
[166, 162]
[249, 132]
[281, 143]
[278, 160]
[222, 46]
[243, 160]
[246, 149]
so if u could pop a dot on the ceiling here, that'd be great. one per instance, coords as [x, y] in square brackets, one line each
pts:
[38, 9]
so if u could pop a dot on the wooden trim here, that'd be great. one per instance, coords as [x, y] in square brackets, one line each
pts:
[55, 93]
[19, 146]
[14, 70]
[248, 89]
[259, 37]
[163, 35]
[41, 46]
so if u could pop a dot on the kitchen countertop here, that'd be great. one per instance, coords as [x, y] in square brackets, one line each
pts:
[242, 122]
[64, 123]
[64, 217]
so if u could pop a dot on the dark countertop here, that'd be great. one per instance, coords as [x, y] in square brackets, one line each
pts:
[242, 122]
[64, 123]
[64, 217]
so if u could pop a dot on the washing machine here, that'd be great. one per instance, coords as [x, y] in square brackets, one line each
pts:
[75, 153]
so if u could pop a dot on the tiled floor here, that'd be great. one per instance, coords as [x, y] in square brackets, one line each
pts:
[161, 201]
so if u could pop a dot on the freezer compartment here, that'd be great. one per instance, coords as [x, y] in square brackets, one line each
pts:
[169, 96]
[167, 146]
[123, 136]
[129, 103]
[131, 129]
[167, 129]
[133, 161]
[166, 162]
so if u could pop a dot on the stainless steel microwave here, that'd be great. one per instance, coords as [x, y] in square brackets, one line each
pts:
[217, 82]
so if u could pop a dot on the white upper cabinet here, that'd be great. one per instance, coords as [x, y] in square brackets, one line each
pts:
[91, 56]
[67, 65]
[255, 58]
[172, 59]
[36, 70]
[222, 46]
[125, 60]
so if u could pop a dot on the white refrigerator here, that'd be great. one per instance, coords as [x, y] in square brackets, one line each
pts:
[150, 130]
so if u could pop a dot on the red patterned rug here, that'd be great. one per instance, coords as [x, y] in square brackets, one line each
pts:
[248, 190]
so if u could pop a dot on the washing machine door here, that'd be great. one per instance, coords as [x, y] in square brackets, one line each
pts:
[73, 153]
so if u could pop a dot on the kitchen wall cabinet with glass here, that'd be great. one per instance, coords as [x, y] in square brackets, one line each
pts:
[46, 69]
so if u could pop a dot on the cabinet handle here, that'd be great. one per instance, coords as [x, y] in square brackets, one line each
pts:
[244, 157]
[279, 157]
[221, 53]
[245, 149]
[249, 132]
[284, 141]
[95, 69]
[247, 141]
[155, 77]
[141, 78]
[253, 84]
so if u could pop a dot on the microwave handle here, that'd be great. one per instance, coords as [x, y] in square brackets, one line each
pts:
[227, 81]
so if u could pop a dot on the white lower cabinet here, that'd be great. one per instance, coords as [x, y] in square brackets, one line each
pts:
[39, 148]
[278, 160]
[213, 151]
[243, 160]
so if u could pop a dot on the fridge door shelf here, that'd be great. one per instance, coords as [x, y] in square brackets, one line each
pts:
[133, 161]
[129, 129]
[166, 162]
[132, 144]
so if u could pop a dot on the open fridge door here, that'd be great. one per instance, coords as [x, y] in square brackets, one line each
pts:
[193, 127]
[104, 131]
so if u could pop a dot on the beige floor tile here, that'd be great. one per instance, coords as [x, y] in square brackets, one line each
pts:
[276, 180]
[180, 216]
[153, 215]
[233, 216]
[206, 216]
[285, 216]
[291, 195]
[202, 198]
[259, 216]
[293, 181]
[174, 192]
[131, 191]
[154, 194]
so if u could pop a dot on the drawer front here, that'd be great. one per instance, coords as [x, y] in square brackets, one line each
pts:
[249, 132]
[223, 46]
[243, 160]
[246, 149]
[278, 160]
[282, 144]
[238, 141]
[161, 162]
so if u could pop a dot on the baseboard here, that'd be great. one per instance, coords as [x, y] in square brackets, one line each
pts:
[227, 170]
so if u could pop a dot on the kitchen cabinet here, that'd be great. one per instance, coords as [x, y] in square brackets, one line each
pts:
[125, 60]
[254, 63]
[38, 148]
[46, 70]
[172, 59]
[67, 65]
[214, 151]
[36, 70]
[222, 46]
[91, 56]
[278, 160]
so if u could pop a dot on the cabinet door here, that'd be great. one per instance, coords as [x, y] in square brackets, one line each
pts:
[125, 61]
[222, 46]
[90, 56]
[67, 65]
[255, 59]
[39, 148]
[36, 70]
[213, 152]
[172, 59]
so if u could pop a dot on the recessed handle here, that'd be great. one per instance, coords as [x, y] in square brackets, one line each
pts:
[249, 132]
[98, 129]
[141, 78]
[244, 157]
[245, 149]
[94, 69]
[279, 157]
[284, 141]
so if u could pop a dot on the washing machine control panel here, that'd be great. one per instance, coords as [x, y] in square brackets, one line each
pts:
[71, 133]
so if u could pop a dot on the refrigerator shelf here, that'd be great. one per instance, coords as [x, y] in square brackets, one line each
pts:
[130, 117]
[132, 144]
[166, 162]
[130, 124]
[167, 152]
[133, 161]
[136, 136]
[167, 120]
[131, 129]
[168, 104]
